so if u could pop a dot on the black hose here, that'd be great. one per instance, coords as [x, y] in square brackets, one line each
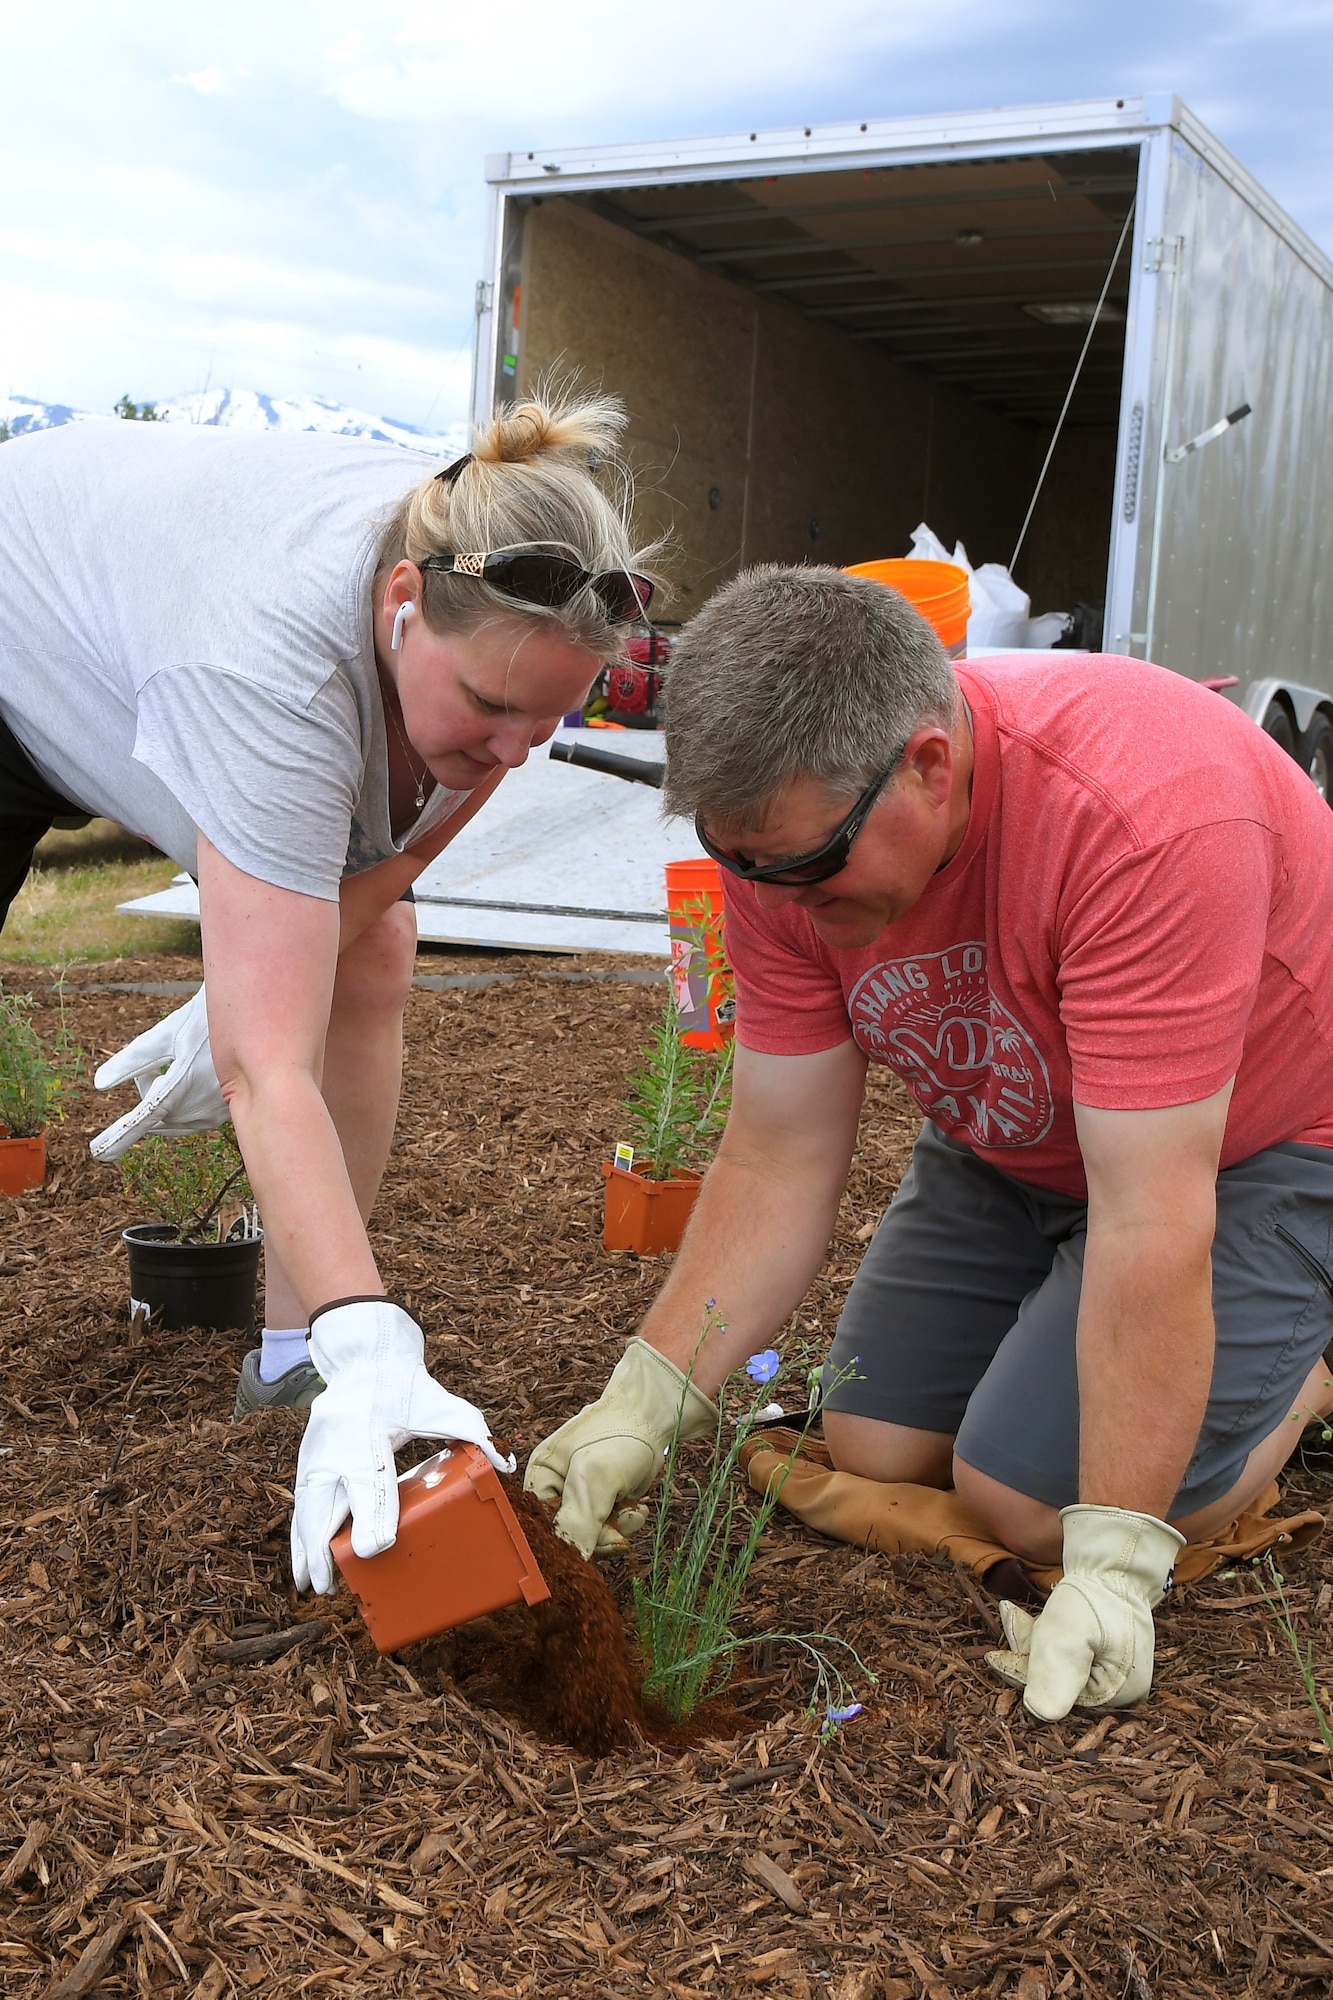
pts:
[639, 771]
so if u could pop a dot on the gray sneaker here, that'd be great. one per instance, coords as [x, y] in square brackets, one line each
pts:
[296, 1390]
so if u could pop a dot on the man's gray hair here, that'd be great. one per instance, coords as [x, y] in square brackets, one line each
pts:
[788, 673]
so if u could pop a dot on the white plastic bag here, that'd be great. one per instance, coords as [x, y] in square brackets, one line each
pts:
[1001, 619]
[927, 545]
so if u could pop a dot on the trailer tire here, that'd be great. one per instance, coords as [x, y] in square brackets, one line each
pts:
[1317, 756]
[1278, 724]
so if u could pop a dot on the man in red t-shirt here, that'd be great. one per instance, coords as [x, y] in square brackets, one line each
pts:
[1082, 907]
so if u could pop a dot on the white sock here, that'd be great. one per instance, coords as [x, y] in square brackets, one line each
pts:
[282, 1348]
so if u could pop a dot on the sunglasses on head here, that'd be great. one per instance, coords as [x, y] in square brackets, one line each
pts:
[802, 869]
[534, 576]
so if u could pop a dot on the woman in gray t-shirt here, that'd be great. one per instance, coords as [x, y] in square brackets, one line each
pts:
[299, 665]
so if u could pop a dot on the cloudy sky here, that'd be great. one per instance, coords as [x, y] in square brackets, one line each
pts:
[288, 194]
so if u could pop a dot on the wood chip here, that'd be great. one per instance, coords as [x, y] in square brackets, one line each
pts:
[768, 1965]
[766, 1870]
[861, 1984]
[313, 1859]
[214, 1982]
[343, 1921]
[761, 1774]
[272, 1645]
[97, 1956]
[24, 1856]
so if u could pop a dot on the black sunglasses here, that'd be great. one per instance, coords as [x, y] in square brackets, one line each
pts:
[802, 869]
[536, 577]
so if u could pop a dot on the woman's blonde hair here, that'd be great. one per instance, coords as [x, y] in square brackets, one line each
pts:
[530, 485]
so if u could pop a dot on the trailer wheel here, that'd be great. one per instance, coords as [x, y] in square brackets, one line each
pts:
[1317, 756]
[1278, 724]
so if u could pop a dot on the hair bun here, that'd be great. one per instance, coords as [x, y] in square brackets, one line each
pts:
[550, 422]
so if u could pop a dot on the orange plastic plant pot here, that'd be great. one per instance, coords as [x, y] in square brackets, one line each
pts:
[459, 1554]
[22, 1163]
[646, 1215]
[701, 979]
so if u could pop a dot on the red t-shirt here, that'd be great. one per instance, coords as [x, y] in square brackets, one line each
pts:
[1142, 907]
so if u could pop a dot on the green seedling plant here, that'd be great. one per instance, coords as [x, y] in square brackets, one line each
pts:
[686, 1603]
[1302, 1651]
[678, 1101]
[36, 1072]
[184, 1180]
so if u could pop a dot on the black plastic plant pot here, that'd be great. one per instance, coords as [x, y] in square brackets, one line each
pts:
[192, 1284]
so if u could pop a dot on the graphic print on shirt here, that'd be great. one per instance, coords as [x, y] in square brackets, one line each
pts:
[967, 1061]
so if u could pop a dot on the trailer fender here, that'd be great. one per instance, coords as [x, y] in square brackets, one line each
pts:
[1302, 701]
[1315, 752]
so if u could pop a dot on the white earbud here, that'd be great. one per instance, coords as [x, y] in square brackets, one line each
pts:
[399, 620]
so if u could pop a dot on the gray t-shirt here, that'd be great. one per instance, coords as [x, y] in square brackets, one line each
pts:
[186, 640]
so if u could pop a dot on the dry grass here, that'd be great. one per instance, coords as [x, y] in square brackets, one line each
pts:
[66, 912]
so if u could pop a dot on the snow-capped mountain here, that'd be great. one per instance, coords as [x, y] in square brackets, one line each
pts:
[19, 414]
[251, 410]
[245, 409]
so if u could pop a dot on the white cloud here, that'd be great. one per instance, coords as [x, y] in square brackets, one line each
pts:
[155, 353]
[291, 195]
[348, 49]
[208, 82]
[590, 58]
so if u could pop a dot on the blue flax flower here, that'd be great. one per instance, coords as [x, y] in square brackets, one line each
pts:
[844, 1714]
[763, 1367]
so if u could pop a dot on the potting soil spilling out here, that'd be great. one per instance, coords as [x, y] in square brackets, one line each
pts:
[564, 1667]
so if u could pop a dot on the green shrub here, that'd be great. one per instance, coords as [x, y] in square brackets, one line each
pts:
[35, 1074]
[185, 1179]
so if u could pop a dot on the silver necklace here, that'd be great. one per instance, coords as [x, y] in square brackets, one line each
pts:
[419, 778]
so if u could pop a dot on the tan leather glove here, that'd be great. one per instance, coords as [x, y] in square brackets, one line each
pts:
[1092, 1644]
[612, 1451]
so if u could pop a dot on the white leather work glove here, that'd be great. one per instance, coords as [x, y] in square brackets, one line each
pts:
[612, 1450]
[372, 1356]
[172, 1066]
[1091, 1646]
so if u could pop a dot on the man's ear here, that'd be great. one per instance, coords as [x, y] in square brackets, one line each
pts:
[929, 757]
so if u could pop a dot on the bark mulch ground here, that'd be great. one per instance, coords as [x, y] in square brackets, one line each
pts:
[210, 1786]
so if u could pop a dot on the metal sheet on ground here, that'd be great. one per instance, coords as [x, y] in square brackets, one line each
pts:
[559, 860]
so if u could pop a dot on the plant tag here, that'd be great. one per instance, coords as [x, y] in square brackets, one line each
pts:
[682, 961]
[625, 1158]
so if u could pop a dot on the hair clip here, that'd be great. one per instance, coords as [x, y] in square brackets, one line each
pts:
[451, 472]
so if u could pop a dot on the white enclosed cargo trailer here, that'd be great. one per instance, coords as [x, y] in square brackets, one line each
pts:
[827, 334]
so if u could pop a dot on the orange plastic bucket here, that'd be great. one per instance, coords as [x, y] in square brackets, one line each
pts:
[460, 1553]
[701, 979]
[939, 591]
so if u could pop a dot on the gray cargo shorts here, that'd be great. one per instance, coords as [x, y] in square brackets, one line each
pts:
[962, 1317]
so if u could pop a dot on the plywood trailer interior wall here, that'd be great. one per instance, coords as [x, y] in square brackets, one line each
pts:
[815, 363]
